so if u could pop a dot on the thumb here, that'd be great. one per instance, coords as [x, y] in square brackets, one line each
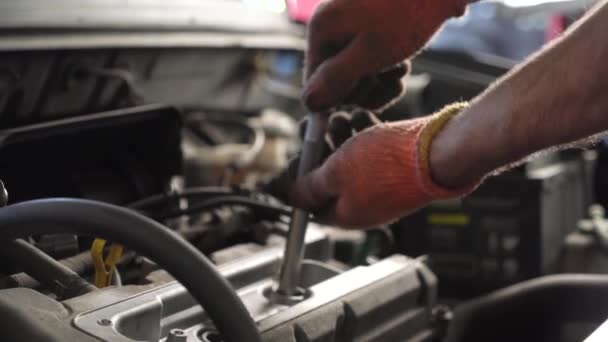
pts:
[314, 191]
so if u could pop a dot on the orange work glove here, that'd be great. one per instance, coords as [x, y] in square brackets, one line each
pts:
[342, 126]
[350, 41]
[378, 176]
[371, 94]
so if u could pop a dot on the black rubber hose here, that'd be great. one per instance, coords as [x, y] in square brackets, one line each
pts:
[155, 200]
[81, 264]
[532, 310]
[219, 201]
[61, 280]
[165, 247]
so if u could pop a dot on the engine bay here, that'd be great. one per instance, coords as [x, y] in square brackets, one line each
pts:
[133, 158]
[197, 170]
[133, 205]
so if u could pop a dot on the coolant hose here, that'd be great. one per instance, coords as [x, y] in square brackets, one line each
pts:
[64, 282]
[190, 267]
[81, 264]
[533, 310]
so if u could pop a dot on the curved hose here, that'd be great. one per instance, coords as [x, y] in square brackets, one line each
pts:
[188, 193]
[64, 282]
[226, 200]
[169, 250]
[532, 310]
[80, 263]
[246, 158]
[249, 156]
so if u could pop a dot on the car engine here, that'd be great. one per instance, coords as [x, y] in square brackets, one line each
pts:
[134, 147]
[179, 136]
[135, 157]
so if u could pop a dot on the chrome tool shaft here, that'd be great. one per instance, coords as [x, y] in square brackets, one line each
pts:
[312, 149]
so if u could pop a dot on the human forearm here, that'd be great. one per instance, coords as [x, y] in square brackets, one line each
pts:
[555, 98]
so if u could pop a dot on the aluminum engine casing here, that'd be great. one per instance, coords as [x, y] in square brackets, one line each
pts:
[391, 300]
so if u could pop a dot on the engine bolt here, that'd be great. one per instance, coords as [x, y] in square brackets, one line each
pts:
[177, 335]
[104, 322]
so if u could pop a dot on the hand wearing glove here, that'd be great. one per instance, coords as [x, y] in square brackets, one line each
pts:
[372, 93]
[342, 126]
[378, 176]
[380, 91]
[353, 41]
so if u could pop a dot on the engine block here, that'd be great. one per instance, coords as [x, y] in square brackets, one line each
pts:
[391, 300]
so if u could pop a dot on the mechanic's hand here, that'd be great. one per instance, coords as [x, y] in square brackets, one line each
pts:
[342, 126]
[380, 91]
[376, 177]
[351, 41]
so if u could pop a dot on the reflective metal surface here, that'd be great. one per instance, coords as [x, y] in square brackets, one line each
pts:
[149, 316]
[391, 290]
[289, 277]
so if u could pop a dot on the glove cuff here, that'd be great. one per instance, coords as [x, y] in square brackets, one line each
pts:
[433, 126]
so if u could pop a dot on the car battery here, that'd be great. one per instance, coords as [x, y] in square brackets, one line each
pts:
[510, 229]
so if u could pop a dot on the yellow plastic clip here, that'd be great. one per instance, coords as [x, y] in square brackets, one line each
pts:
[104, 268]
